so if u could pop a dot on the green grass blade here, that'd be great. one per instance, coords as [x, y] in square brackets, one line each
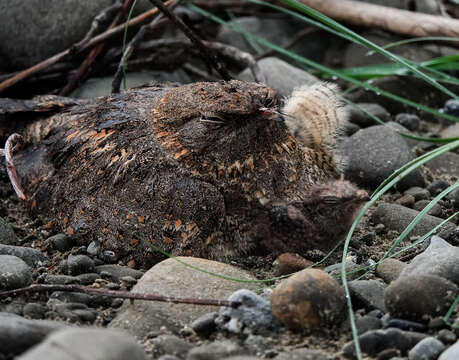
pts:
[361, 40]
[329, 70]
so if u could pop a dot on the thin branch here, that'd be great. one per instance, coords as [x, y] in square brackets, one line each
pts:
[92, 56]
[117, 294]
[119, 75]
[105, 15]
[207, 54]
[90, 44]
[10, 146]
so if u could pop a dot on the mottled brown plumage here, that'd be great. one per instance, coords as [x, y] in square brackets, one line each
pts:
[206, 169]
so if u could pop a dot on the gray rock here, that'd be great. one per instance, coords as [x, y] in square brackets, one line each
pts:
[7, 235]
[452, 353]
[358, 115]
[116, 271]
[29, 36]
[61, 279]
[375, 153]
[87, 279]
[446, 164]
[280, 75]
[396, 217]
[440, 259]
[253, 316]
[31, 257]
[18, 334]
[446, 336]
[369, 293]
[96, 87]
[436, 210]
[427, 349]
[403, 324]
[419, 296]
[375, 341]
[205, 324]
[390, 269]
[77, 264]
[215, 351]
[14, 273]
[94, 248]
[172, 278]
[366, 323]
[61, 242]
[437, 186]
[302, 354]
[418, 193]
[281, 31]
[34, 311]
[87, 344]
[170, 345]
[409, 121]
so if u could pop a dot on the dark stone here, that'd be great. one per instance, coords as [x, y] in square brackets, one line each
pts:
[77, 264]
[7, 235]
[367, 323]
[402, 296]
[61, 242]
[14, 273]
[406, 325]
[358, 115]
[31, 257]
[374, 153]
[205, 324]
[368, 293]
[116, 271]
[34, 311]
[418, 193]
[410, 121]
[437, 186]
[374, 341]
[170, 345]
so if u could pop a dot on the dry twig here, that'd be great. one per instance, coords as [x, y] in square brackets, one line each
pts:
[117, 294]
[10, 146]
[387, 18]
[207, 54]
[90, 44]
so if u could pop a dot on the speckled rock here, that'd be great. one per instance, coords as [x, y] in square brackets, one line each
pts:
[390, 269]
[308, 299]
[419, 296]
[375, 153]
[14, 273]
[77, 264]
[440, 259]
[252, 316]
[172, 278]
[18, 334]
[427, 349]
[87, 344]
[32, 257]
[397, 217]
[7, 235]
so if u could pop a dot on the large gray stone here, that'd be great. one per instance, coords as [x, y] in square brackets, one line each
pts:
[452, 353]
[280, 75]
[87, 344]
[7, 235]
[440, 259]
[34, 30]
[14, 273]
[172, 278]
[103, 86]
[18, 334]
[374, 153]
[447, 164]
[398, 217]
[31, 257]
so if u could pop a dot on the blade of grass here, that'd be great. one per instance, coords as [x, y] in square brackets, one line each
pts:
[329, 70]
[361, 40]
[385, 188]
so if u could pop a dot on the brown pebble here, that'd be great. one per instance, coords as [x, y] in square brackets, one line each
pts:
[309, 299]
[288, 263]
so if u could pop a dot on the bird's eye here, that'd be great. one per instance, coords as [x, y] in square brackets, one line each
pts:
[213, 119]
[330, 200]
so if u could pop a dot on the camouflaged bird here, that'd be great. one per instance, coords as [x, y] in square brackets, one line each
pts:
[206, 169]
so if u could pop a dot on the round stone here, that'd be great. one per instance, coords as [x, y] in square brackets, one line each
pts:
[309, 299]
